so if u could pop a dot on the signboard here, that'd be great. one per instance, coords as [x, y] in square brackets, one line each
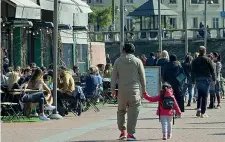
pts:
[222, 14]
[153, 80]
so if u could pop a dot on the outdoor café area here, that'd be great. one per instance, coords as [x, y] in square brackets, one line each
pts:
[27, 93]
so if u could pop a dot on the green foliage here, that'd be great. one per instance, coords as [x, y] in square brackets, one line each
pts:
[100, 16]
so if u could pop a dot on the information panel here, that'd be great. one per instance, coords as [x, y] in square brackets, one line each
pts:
[153, 80]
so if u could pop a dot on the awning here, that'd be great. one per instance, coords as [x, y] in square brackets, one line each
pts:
[150, 8]
[67, 5]
[66, 9]
[25, 9]
[83, 7]
[66, 36]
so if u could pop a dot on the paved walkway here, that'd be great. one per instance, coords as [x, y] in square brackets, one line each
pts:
[101, 127]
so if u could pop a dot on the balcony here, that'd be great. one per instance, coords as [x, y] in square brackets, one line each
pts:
[152, 35]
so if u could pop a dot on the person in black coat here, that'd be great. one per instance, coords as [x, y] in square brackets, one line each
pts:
[172, 70]
[188, 83]
[151, 60]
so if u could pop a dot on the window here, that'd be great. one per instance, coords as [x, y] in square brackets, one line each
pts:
[173, 22]
[194, 1]
[173, 1]
[215, 23]
[88, 1]
[98, 1]
[195, 22]
[129, 24]
[130, 1]
[215, 1]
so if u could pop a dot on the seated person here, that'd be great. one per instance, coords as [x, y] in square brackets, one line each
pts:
[37, 83]
[100, 79]
[66, 87]
[101, 68]
[4, 79]
[66, 83]
[108, 71]
[48, 80]
[76, 71]
[37, 97]
[50, 70]
[91, 81]
[26, 77]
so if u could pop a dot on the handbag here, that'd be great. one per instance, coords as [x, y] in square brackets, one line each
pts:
[181, 78]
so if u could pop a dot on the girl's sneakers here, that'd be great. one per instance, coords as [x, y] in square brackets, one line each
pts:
[164, 137]
[169, 136]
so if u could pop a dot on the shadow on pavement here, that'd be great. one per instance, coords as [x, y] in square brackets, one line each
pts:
[190, 109]
[98, 141]
[139, 119]
[218, 134]
[208, 123]
[191, 128]
[147, 118]
[116, 140]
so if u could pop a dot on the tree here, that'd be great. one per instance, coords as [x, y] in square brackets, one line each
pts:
[101, 17]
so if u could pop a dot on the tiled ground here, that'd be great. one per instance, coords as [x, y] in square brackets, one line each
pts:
[102, 126]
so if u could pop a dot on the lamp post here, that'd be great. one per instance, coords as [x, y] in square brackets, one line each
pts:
[55, 114]
[160, 27]
[113, 15]
[223, 20]
[121, 25]
[185, 25]
[205, 20]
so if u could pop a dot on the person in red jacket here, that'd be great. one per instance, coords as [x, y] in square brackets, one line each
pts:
[143, 59]
[165, 114]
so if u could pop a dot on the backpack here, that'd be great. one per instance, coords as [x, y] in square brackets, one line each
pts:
[167, 102]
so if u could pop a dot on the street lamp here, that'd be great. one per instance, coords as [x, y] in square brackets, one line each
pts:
[186, 32]
[55, 114]
[160, 27]
[121, 25]
[205, 19]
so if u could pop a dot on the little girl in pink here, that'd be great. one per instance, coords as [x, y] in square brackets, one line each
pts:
[165, 114]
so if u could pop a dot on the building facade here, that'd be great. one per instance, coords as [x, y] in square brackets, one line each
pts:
[195, 12]
[27, 31]
[130, 5]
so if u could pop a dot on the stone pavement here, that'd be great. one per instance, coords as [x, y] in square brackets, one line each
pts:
[101, 127]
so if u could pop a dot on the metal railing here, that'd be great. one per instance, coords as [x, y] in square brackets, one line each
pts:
[146, 35]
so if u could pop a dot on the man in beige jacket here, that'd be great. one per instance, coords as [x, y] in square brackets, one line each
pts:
[129, 72]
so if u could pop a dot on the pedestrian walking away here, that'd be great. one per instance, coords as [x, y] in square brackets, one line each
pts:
[129, 71]
[202, 75]
[216, 59]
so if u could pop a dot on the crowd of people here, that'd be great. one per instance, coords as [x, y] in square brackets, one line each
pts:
[196, 77]
[187, 81]
[171, 68]
[40, 78]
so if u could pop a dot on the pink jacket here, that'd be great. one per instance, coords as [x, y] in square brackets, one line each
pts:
[164, 112]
